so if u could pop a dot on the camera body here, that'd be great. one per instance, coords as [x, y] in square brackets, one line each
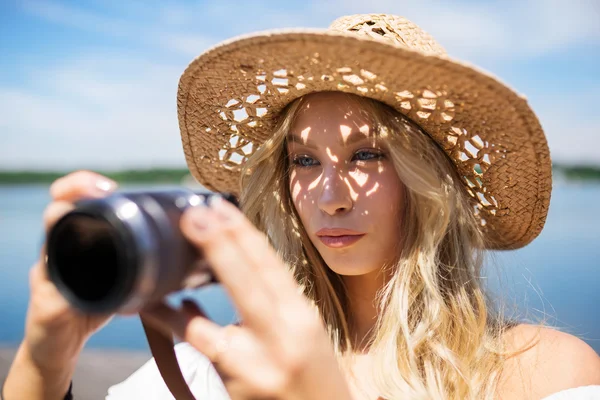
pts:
[120, 253]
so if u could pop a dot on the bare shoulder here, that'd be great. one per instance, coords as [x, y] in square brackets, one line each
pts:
[546, 361]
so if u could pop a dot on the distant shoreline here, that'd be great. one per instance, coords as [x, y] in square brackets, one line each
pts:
[179, 175]
[152, 175]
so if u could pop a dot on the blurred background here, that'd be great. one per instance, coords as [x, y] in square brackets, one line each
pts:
[92, 84]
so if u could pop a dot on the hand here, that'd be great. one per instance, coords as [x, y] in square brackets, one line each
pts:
[54, 332]
[282, 350]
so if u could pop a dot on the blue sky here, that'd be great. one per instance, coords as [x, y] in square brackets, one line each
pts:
[92, 84]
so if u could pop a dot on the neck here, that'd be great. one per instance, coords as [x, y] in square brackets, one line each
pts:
[363, 309]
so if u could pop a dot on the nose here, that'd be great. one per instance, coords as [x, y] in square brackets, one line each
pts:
[335, 197]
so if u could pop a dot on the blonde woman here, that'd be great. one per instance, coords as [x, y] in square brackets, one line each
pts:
[373, 172]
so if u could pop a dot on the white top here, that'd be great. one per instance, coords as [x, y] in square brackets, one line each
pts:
[146, 383]
[580, 393]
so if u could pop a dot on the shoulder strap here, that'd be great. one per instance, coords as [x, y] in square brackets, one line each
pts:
[162, 348]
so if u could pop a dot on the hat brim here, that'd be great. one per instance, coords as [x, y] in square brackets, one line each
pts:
[230, 96]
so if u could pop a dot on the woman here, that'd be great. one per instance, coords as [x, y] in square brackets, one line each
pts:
[379, 169]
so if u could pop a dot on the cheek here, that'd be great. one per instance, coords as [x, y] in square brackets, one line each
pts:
[300, 189]
[384, 199]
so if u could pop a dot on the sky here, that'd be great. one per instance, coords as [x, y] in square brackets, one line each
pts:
[92, 83]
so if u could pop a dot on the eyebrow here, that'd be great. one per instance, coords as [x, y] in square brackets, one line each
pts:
[354, 137]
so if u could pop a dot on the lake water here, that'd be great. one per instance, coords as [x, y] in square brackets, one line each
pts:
[556, 278]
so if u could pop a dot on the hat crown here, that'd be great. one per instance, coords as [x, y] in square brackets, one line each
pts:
[390, 29]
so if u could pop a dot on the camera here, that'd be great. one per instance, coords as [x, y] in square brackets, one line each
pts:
[120, 253]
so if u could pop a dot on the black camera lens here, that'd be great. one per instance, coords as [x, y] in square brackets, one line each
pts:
[125, 251]
[87, 241]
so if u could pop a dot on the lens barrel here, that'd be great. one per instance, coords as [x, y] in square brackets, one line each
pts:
[123, 252]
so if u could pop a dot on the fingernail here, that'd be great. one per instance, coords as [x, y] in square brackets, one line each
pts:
[105, 185]
[200, 217]
[222, 209]
[214, 201]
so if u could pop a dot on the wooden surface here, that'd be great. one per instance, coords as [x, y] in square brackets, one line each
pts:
[97, 370]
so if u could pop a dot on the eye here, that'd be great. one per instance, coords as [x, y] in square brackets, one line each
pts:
[305, 161]
[367, 155]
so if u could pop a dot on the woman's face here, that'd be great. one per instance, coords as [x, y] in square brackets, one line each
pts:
[343, 185]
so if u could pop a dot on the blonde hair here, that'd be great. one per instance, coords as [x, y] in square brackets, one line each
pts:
[435, 336]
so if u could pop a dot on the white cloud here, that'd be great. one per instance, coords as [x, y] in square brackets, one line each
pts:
[571, 122]
[78, 18]
[559, 24]
[187, 44]
[92, 119]
[118, 109]
[169, 28]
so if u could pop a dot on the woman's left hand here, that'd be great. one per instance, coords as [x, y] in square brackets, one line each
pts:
[282, 350]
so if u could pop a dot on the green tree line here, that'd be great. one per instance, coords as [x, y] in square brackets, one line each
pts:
[155, 175]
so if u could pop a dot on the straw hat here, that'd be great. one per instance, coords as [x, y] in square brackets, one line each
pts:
[230, 96]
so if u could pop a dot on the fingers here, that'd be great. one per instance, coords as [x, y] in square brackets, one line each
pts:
[80, 184]
[263, 261]
[65, 191]
[262, 256]
[55, 211]
[38, 280]
[214, 235]
[73, 187]
[231, 349]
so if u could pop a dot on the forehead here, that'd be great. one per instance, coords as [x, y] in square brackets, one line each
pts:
[331, 112]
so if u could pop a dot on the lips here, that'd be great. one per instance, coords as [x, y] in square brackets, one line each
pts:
[339, 237]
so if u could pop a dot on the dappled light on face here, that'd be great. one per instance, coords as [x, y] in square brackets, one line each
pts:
[341, 176]
[304, 134]
[296, 189]
[359, 176]
[373, 189]
[296, 186]
[353, 193]
[345, 130]
[366, 129]
[301, 191]
[326, 184]
[314, 183]
[332, 156]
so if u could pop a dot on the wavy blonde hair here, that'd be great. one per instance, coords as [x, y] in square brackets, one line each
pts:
[435, 336]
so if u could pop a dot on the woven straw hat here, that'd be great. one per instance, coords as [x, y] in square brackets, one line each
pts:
[230, 96]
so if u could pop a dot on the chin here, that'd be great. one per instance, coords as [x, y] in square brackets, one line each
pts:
[346, 272]
[348, 266]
